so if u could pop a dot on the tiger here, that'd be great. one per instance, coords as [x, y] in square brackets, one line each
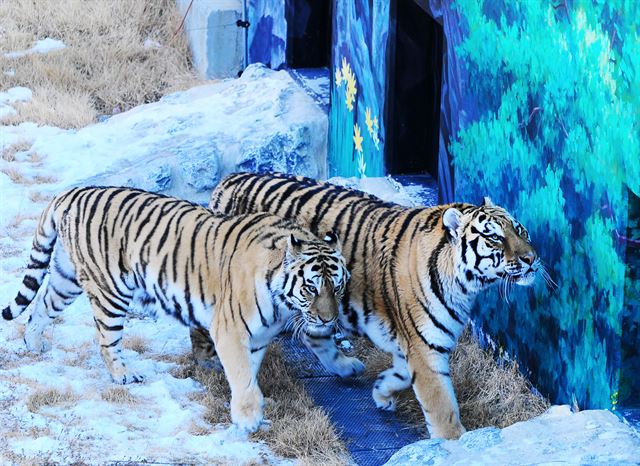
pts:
[243, 278]
[414, 274]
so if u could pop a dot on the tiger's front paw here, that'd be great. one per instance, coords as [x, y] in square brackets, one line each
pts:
[347, 366]
[449, 430]
[35, 343]
[127, 378]
[246, 413]
[384, 402]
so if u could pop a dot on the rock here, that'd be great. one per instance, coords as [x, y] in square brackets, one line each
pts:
[185, 143]
[424, 452]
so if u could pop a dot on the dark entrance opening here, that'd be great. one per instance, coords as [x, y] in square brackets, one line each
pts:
[414, 93]
[308, 33]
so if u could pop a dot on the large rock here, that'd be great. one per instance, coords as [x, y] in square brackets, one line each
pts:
[185, 143]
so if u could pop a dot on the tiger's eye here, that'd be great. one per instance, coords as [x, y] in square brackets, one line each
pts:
[311, 289]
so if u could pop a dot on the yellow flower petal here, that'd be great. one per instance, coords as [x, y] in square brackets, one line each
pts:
[357, 138]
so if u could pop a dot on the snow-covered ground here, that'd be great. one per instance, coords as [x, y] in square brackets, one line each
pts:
[163, 422]
[558, 437]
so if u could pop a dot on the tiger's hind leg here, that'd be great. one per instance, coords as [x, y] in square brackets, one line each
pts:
[391, 381]
[109, 320]
[62, 289]
[334, 360]
[203, 349]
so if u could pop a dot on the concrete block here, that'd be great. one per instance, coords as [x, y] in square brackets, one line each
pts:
[217, 43]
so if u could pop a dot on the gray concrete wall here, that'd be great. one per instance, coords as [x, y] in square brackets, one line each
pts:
[217, 43]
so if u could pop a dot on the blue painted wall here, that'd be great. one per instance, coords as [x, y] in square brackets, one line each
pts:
[547, 125]
[267, 34]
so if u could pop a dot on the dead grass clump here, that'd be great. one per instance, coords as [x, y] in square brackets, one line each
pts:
[118, 395]
[37, 197]
[118, 54]
[298, 428]
[137, 343]
[49, 397]
[35, 158]
[489, 393]
[9, 153]
[18, 178]
[15, 176]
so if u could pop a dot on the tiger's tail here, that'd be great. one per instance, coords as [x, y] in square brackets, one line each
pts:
[43, 243]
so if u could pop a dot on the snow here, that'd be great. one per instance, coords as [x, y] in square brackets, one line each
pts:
[15, 94]
[213, 127]
[45, 45]
[594, 437]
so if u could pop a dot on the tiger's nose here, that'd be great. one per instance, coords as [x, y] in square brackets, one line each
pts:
[324, 321]
[528, 258]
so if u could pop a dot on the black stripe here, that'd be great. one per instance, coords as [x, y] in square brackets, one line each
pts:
[436, 284]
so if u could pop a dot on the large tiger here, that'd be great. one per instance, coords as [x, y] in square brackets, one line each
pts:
[414, 274]
[241, 277]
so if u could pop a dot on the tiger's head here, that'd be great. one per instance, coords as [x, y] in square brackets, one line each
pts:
[316, 278]
[491, 246]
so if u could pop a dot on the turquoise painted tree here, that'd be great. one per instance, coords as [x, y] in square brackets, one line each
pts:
[557, 143]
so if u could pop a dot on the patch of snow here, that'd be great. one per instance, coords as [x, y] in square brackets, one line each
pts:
[594, 437]
[16, 94]
[151, 44]
[45, 45]
[385, 188]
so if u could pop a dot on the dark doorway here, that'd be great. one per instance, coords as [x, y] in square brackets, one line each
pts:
[308, 33]
[414, 93]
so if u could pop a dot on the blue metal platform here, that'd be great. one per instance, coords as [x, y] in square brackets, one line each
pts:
[371, 435]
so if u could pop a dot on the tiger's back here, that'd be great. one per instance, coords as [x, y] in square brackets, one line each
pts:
[414, 273]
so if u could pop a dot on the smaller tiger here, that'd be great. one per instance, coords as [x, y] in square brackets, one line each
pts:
[242, 278]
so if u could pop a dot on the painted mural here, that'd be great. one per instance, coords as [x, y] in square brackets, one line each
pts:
[550, 95]
[358, 85]
[267, 34]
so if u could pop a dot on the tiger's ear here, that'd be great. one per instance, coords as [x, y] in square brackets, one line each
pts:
[452, 219]
[487, 202]
[331, 238]
[294, 246]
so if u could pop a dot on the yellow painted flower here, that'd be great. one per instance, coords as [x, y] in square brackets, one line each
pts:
[346, 68]
[357, 138]
[348, 76]
[368, 120]
[338, 78]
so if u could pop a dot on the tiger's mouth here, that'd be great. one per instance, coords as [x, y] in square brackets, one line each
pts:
[321, 329]
[524, 278]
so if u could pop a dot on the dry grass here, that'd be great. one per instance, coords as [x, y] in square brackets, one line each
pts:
[137, 343]
[105, 67]
[299, 429]
[9, 153]
[489, 393]
[19, 178]
[49, 397]
[37, 197]
[118, 395]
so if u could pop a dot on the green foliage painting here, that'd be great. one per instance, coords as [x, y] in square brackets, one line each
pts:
[556, 142]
